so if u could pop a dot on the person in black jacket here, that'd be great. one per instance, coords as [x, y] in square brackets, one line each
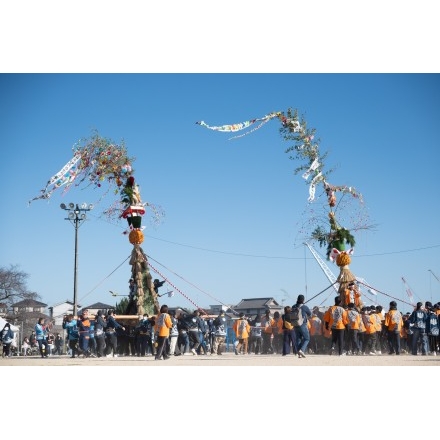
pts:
[418, 322]
[289, 338]
[111, 340]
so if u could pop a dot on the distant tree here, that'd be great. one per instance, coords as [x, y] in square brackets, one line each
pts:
[13, 285]
[121, 306]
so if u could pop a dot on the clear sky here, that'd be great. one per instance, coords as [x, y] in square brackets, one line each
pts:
[234, 210]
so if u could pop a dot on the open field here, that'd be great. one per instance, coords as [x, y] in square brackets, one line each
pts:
[229, 359]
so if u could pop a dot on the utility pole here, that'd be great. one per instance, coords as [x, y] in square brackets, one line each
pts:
[76, 215]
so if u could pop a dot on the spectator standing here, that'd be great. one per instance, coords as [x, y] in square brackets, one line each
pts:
[51, 342]
[111, 339]
[7, 336]
[25, 345]
[162, 327]
[33, 339]
[302, 333]
[242, 329]
[40, 336]
[220, 329]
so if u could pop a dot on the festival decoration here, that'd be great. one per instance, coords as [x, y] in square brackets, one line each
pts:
[312, 168]
[99, 161]
[241, 125]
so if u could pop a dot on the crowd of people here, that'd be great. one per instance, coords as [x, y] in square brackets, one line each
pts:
[342, 329]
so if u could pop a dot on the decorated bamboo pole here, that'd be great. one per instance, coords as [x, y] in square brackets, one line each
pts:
[306, 149]
[140, 272]
[97, 161]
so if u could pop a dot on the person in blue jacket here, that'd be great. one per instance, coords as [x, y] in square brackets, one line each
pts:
[70, 324]
[7, 336]
[41, 336]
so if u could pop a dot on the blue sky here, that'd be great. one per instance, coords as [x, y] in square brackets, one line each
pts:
[234, 210]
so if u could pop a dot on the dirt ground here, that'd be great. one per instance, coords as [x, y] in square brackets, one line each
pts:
[228, 359]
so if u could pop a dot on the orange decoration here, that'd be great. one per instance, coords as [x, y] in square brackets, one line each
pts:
[136, 236]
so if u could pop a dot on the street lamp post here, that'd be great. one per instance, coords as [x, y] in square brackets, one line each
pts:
[76, 215]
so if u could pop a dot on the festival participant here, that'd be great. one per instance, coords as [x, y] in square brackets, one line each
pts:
[393, 326]
[266, 323]
[100, 326]
[83, 324]
[277, 333]
[352, 295]
[417, 322]
[162, 327]
[335, 318]
[40, 335]
[302, 333]
[242, 329]
[7, 336]
[354, 321]
[111, 339]
[289, 337]
[369, 341]
[70, 324]
[219, 333]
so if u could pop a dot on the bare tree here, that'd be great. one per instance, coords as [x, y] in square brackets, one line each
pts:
[13, 285]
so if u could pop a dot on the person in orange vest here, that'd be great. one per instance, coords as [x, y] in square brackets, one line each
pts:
[378, 317]
[335, 318]
[354, 321]
[277, 333]
[266, 324]
[162, 327]
[242, 330]
[370, 332]
[316, 342]
[352, 295]
[393, 325]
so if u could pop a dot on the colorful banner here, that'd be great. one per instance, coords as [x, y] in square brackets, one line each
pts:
[241, 125]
